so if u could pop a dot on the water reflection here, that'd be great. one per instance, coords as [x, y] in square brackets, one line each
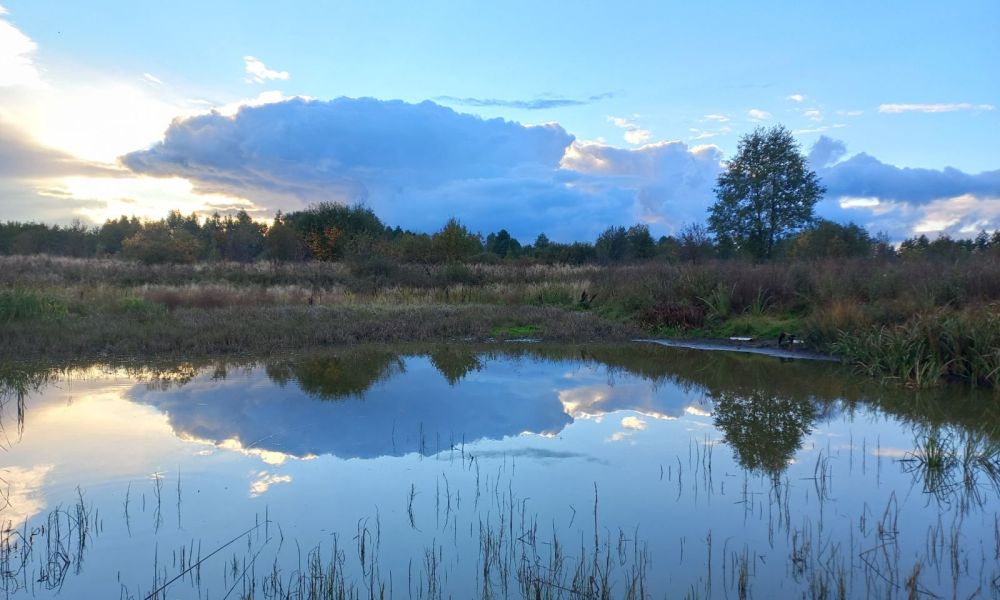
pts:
[458, 448]
[366, 402]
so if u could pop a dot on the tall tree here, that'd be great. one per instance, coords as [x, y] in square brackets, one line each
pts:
[765, 193]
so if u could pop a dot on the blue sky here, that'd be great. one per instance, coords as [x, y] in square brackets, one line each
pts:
[647, 98]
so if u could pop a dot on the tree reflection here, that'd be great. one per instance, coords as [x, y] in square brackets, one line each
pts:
[340, 375]
[764, 429]
[455, 362]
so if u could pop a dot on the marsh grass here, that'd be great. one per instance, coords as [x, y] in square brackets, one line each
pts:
[929, 348]
[912, 321]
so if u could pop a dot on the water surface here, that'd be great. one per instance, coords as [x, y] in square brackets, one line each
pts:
[501, 471]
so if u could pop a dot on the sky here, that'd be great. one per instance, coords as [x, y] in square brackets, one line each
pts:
[556, 117]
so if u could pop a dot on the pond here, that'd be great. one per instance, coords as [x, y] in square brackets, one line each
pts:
[502, 471]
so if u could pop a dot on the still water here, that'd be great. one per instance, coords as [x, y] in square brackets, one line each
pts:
[529, 470]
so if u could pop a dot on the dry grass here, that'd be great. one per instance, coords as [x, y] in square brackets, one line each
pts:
[112, 305]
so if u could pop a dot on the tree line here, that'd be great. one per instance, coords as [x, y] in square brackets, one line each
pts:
[332, 232]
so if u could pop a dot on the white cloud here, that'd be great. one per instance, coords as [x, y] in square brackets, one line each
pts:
[796, 98]
[152, 79]
[717, 118]
[634, 423]
[756, 114]
[813, 114]
[22, 495]
[850, 113]
[932, 108]
[637, 136]
[633, 133]
[17, 57]
[808, 130]
[258, 72]
[264, 481]
[704, 134]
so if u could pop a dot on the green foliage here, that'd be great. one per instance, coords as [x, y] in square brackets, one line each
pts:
[619, 244]
[158, 244]
[719, 302]
[22, 305]
[454, 242]
[826, 239]
[331, 231]
[142, 308]
[283, 244]
[766, 193]
[515, 331]
[502, 245]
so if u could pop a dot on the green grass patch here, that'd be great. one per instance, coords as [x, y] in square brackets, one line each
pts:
[142, 308]
[515, 331]
[22, 305]
[756, 326]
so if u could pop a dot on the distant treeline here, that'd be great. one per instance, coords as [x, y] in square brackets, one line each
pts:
[330, 232]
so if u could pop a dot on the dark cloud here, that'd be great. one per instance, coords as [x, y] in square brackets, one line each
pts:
[863, 175]
[418, 164]
[902, 201]
[534, 104]
[826, 151]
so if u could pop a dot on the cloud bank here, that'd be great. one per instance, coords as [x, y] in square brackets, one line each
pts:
[904, 201]
[417, 164]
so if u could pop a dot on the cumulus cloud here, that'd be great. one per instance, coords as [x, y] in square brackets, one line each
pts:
[826, 151]
[671, 182]
[796, 98]
[532, 104]
[416, 164]
[932, 108]
[904, 201]
[756, 114]
[257, 71]
[17, 57]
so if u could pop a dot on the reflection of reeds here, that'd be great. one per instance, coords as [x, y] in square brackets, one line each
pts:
[952, 465]
[45, 553]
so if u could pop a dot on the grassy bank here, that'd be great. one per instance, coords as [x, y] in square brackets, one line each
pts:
[912, 320]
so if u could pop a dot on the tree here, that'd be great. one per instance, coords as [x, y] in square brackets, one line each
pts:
[282, 242]
[455, 242]
[640, 242]
[694, 243]
[612, 244]
[157, 243]
[765, 193]
[826, 239]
